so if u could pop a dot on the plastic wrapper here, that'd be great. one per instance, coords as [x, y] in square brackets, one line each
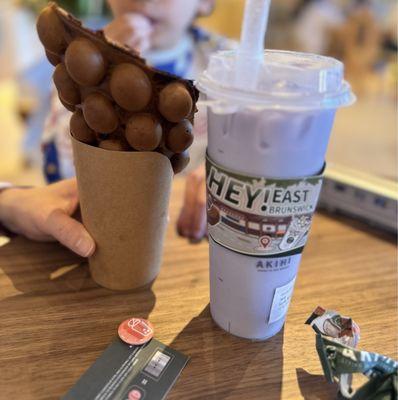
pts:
[340, 361]
[331, 323]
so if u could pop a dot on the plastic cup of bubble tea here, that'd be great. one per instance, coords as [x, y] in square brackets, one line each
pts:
[266, 153]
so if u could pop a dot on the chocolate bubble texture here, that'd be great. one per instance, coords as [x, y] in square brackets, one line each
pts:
[118, 102]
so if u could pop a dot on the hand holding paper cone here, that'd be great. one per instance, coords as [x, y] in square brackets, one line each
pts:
[131, 129]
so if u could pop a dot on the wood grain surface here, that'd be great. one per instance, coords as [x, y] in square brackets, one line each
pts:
[54, 324]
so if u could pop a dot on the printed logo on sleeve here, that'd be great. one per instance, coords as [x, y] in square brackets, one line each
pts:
[259, 216]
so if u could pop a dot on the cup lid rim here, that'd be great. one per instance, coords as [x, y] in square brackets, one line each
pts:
[224, 94]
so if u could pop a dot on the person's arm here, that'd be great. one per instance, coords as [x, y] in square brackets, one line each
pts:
[44, 214]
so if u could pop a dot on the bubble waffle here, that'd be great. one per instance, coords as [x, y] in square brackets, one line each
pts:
[118, 102]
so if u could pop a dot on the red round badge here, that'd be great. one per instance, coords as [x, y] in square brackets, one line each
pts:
[136, 331]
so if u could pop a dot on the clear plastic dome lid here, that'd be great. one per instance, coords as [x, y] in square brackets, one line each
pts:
[286, 80]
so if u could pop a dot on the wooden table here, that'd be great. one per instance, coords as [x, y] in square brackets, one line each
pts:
[53, 327]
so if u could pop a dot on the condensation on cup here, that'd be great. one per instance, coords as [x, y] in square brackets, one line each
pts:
[266, 153]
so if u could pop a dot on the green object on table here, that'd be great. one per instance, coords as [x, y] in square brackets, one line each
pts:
[338, 360]
[379, 388]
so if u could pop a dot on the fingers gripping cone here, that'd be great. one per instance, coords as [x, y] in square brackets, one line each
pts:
[124, 200]
[130, 130]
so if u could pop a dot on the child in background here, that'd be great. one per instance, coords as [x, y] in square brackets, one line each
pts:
[163, 32]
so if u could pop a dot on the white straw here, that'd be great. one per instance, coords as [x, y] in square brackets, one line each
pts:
[251, 49]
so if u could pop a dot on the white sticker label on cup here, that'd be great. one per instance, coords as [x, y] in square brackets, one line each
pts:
[260, 216]
[281, 301]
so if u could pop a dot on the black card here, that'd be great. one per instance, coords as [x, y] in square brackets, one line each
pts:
[125, 372]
